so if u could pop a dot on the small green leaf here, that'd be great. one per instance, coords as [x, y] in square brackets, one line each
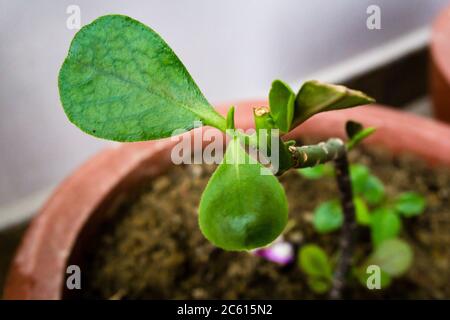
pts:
[367, 185]
[243, 206]
[374, 190]
[319, 285]
[317, 172]
[328, 216]
[393, 256]
[281, 101]
[121, 81]
[410, 204]
[356, 133]
[360, 136]
[230, 119]
[314, 261]
[314, 97]
[385, 224]
[359, 175]
[362, 212]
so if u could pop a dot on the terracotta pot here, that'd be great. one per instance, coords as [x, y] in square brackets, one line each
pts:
[90, 193]
[440, 66]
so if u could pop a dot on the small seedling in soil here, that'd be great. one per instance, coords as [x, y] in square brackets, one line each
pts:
[122, 82]
[381, 216]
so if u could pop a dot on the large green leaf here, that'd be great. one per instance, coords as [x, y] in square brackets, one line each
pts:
[243, 206]
[314, 97]
[121, 81]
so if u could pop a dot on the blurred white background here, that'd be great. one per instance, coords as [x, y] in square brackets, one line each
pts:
[233, 49]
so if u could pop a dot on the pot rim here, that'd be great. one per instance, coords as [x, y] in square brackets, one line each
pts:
[440, 44]
[39, 267]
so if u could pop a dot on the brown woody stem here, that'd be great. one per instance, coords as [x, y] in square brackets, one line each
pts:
[348, 227]
[334, 150]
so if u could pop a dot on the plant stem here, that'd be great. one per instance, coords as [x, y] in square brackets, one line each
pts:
[312, 155]
[334, 150]
[349, 225]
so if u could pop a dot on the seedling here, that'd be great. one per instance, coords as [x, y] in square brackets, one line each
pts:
[122, 82]
[382, 216]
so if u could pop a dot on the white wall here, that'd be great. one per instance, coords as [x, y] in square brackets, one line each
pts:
[233, 49]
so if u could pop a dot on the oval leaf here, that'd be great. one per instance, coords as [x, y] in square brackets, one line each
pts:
[319, 285]
[374, 190]
[359, 175]
[393, 256]
[243, 206]
[385, 224]
[410, 204]
[314, 261]
[315, 97]
[328, 216]
[121, 81]
[366, 184]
